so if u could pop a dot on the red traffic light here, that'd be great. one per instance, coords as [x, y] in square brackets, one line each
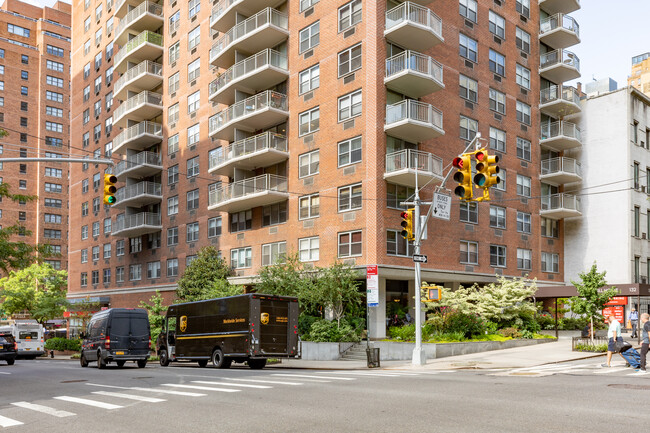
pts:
[404, 215]
[480, 156]
[457, 162]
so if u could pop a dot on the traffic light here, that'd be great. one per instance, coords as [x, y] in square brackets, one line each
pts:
[463, 176]
[109, 189]
[407, 225]
[432, 293]
[486, 169]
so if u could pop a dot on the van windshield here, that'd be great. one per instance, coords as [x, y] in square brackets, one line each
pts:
[123, 324]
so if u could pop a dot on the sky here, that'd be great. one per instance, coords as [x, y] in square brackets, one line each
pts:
[611, 34]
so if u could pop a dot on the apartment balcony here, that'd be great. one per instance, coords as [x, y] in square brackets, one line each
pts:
[262, 150]
[146, 46]
[403, 166]
[559, 66]
[561, 170]
[413, 121]
[138, 137]
[559, 6]
[138, 195]
[143, 106]
[559, 31]
[263, 190]
[559, 101]
[265, 29]
[558, 206]
[260, 71]
[143, 164]
[560, 136]
[258, 112]
[413, 74]
[224, 13]
[410, 25]
[138, 224]
[145, 76]
[122, 7]
[146, 16]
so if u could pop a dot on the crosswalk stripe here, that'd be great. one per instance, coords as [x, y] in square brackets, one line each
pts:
[4, 372]
[202, 388]
[353, 373]
[43, 409]
[609, 370]
[313, 377]
[265, 381]
[158, 390]
[94, 403]
[8, 422]
[129, 396]
[243, 385]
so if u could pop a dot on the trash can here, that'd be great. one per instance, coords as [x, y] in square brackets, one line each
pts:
[373, 357]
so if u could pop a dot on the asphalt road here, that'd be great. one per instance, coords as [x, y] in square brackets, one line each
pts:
[56, 396]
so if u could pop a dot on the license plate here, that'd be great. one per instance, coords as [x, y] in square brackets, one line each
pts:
[27, 348]
[119, 353]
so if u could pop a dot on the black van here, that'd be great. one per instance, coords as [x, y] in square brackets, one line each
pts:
[8, 348]
[117, 335]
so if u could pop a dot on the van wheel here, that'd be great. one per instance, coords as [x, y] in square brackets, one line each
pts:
[218, 360]
[10, 361]
[83, 361]
[120, 364]
[257, 364]
[100, 362]
[203, 363]
[164, 359]
[142, 363]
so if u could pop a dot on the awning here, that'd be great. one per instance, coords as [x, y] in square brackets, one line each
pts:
[569, 291]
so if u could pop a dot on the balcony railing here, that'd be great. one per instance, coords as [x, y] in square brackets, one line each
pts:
[139, 189]
[264, 58]
[559, 21]
[146, 67]
[243, 29]
[559, 93]
[261, 101]
[561, 165]
[134, 14]
[560, 129]
[219, 9]
[410, 109]
[561, 202]
[143, 38]
[243, 188]
[134, 221]
[559, 57]
[414, 160]
[249, 146]
[416, 62]
[414, 13]
[142, 128]
[145, 97]
[138, 160]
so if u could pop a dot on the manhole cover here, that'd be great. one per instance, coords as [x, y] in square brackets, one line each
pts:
[626, 386]
[74, 381]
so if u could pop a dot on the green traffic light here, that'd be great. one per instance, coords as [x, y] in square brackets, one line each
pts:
[111, 200]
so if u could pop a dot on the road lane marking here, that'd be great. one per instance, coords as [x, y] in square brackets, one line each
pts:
[87, 402]
[265, 381]
[43, 409]
[8, 422]
[162, 391]
[364, 373]
[129, 396]
[207, 382]
[4, 372]
[313, 377]
[606, 370]
[202, 388]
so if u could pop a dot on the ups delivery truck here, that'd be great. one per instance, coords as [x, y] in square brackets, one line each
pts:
[246, 328]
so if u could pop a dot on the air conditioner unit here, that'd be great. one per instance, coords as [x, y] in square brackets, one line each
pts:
[643, 235]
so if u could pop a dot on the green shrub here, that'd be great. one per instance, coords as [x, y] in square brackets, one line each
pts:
[403, 333]
[491, 327]
[591, 347]
[304, 323]
[510, 332]
[327, 331]
[466, 324]
[527, 334]
[62, 344]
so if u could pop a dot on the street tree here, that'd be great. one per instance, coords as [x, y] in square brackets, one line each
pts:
[38, 289]
[286, 278]
[591, 297]
[506, 299]
[206, 278]
[156, 311]
[336, 289]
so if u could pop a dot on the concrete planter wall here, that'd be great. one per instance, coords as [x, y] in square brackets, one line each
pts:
[323, 351]
[572, 333]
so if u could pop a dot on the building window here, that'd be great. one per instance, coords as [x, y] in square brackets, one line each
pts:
[349, 151]
[84, 232]
[523, 113]
[119, 274]
[350, 197]
[523, 7]
[96, 229]
[637, 222]
[468, 88]
[498, 217]
[241, 258]
[309, 121]
[241, 221]
[193, 102]
[309, 249]
[54, 81]
[172, 175]
[84, 255]
[524, 259]
[153, 270]
[193, 199]
[309, 79]
[549, 228]
[58, 97]
[306, 4]
[95, 253]
[274, 253]
[84, 279]
[172, 205]
[522, 40]
[193, 135]
[193, 167]
[107, 276]
[350, 244]
[173, 113]
[350, 106]
[468, 48]
[497, 63]
[214, 227]
[172, 236]
[309, 206]
[173, 83]
[107, 251]
[469, 252]
[349, 15]
[193, 7]
[192, 232]
[497, 139]
[274, 214]
[468, 212]
[524, 222]
[468, 9]
[468, 128]
[497, 25]
[135, 272]
[309, 163]
[523, 186]
[498, 256]
[194, 37]
[523, 76]
[18, 31]
[309, 37]
[396, 245]
[172, 267]
[350, 60]
[108, 225]
[396, 194]
[550, 262]
[497, 101]
[119, 247]
[523, 149]
[172, 144]
[174, 52]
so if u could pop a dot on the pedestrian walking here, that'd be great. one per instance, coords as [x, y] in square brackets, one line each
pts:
[645, 339]
[614, 335]
[634, 321]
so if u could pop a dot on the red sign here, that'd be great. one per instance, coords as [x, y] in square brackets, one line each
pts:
[371, 270]
[618, 300]
[616, 311]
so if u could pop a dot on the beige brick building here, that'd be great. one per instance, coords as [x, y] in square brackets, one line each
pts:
[266, 127]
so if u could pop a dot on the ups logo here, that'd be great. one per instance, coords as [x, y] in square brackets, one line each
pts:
[183, 324]
[264, 318]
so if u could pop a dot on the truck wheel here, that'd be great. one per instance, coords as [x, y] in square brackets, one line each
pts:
[11, 361]
[257, 364]
[142, 363]
[83, 361]
[101, 364]
[203, 363]
[163, 358]
[218, 360]
[120, 364]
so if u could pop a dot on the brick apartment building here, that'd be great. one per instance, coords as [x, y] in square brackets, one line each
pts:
[35, 113]
[266, 127]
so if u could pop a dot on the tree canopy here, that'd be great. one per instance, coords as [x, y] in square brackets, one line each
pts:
[206, 278]
[591, 298]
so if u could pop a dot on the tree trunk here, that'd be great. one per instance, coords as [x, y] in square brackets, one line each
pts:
[591, 334]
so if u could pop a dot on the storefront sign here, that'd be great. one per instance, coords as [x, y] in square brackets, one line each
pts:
[372, 286]
[618, 300]
[618, 312]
